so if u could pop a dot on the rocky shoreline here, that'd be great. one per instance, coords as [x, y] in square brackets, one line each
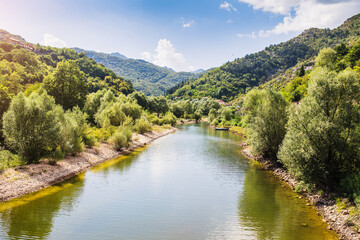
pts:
[22, 180]
[337, 219]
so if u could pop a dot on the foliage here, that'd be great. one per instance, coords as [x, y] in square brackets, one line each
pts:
[146, 77]
[121, 138]
[322, 140]
[73, 131]
[67, 85]
[266, 126]
[8, 160]
[169, 118]
[142, 125]
[233, 78]
[32, 126]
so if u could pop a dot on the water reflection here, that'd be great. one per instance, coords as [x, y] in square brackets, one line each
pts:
[265, 207]
[31, 217]
[193, 184]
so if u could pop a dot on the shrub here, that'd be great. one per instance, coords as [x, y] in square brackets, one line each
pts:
[73, 131]
[142, 125]
[100, 134]
[121, 138]
[32, 125]
[169, 118]
[8, 160]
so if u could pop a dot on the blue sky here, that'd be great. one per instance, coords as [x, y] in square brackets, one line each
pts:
[182, 34]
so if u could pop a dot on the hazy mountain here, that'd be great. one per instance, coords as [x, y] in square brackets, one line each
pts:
[146, 77]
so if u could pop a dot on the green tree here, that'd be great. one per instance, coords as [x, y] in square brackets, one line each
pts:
[32, 125]
[323, 139]
[327, 58]
[302, 71]
[67, 85]
[266, 130]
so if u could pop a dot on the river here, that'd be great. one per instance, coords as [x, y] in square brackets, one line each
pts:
[193, 184]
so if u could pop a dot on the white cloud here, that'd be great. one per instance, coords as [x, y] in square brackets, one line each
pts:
[227, 6]
[188, 24]
[303, 14]
[165, 55]
[51, 40]
[229, 21]
[251, 36]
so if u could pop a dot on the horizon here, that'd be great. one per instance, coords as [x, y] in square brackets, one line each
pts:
[184, 36]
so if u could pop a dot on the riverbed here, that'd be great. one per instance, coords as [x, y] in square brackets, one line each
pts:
[193, 184]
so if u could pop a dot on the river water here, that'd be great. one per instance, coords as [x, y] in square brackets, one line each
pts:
[193, 184]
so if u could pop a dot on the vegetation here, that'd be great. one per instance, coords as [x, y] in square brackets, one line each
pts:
[146, 77]
[265, 122]
[233, 79]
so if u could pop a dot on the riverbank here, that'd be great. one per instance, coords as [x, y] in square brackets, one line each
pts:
[22, 180]
[337, 218]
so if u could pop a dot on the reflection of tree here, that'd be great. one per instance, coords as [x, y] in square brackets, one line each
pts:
[274, 213]
[257, 206]
[35, 218]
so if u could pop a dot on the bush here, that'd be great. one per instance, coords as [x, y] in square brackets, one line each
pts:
[8, 160]
[350, 185]
[32, 125]
[142, 125]
[121, 138]
[100, 134]
[215, 122]
[73, 131]
[169, 118]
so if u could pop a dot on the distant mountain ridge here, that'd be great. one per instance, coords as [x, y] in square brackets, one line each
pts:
[234, 78]
[146, 77]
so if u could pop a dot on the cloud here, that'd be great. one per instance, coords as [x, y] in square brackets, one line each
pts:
[229, 21]
[227, 6]
[303, 14]
[166, 55]
[51, 40]
[188, 24]
[251, 36]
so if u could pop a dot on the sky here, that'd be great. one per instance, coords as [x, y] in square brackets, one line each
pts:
[185, 35]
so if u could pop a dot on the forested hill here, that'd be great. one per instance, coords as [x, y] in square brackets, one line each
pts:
[145, 76]
[233, 78]
[23, 65]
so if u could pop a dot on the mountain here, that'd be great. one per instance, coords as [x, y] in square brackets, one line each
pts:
[234, 78]
[116, 54]
[145, 76]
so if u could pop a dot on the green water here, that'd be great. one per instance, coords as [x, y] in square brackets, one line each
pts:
[193, 184]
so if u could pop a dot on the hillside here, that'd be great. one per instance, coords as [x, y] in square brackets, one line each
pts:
[236, 77]
[145, 76]
[23, 64]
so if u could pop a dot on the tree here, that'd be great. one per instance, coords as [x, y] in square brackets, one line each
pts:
[32, 125]
[323, 139]
[327, 58]
[266, 129]
[302, 71]
[67, 85]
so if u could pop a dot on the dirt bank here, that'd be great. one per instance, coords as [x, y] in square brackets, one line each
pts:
[337, 219]
[16, 182]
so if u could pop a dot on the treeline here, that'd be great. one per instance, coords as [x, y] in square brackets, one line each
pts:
[318, 138]
[55, 102]
[235, 78]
